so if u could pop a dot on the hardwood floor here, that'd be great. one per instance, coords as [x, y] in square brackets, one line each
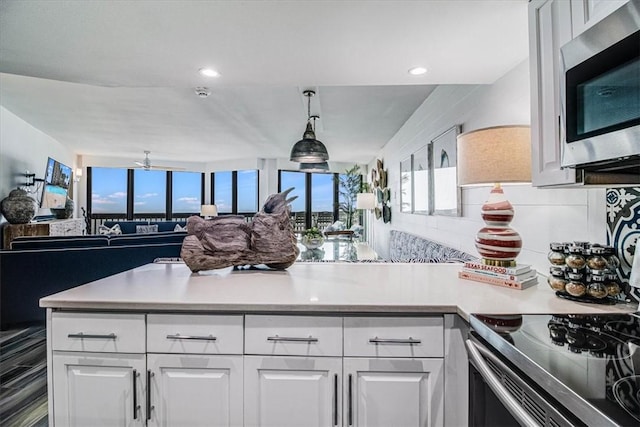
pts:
[23, 377]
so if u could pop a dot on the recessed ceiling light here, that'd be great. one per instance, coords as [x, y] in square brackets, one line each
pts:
[209, 72]
[417, 71]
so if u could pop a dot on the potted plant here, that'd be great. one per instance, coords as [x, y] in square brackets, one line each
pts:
[350, 186]
[312, 238]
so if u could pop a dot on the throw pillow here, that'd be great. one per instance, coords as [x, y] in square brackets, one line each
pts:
[140, 229]
[115, 230]
[178, 227]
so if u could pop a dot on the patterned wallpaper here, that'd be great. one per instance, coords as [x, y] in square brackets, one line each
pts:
[623, 228]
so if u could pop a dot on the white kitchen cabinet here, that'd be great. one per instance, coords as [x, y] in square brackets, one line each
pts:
[586, 13]
[549, 29]
[195, 370]
[194, 390]
[98, 389]
[287, 391]
[393, 392]
[253, 370]
[393, 371]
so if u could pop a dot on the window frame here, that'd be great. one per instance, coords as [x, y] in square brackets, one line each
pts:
[234, 191]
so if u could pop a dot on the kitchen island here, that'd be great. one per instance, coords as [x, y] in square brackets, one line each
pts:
[316, 344]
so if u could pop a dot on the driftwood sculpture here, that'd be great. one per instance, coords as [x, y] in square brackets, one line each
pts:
[226, 241]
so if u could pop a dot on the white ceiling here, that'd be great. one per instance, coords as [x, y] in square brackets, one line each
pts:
[109, 78]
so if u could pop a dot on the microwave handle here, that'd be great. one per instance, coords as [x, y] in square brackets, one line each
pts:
[498, 388]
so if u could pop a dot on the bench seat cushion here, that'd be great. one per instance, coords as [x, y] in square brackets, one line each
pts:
[406, 247]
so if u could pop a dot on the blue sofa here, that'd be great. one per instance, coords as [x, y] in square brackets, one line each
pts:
[129, 227]
[43, 265]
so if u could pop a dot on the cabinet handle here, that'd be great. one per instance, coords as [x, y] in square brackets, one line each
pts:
[410, 340]
[81, 335]
[192, 337]
[149, 407]
[335, 400]
[135, 394]
[293, 339]
[350, 404]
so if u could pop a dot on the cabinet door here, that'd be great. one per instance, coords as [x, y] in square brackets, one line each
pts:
[549, 29]
[98, 389]
[292, 391]
[586, 13]
[195, 390]
[393, 392]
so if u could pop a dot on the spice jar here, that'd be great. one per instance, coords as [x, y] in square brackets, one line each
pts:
[556, 256]
[613, 262]
[612, 285]
[597, 259]
[556, 279]
[576, 259]
[597, 288]
[575, 286]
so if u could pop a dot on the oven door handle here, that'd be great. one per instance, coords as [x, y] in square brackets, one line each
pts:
[514, 407]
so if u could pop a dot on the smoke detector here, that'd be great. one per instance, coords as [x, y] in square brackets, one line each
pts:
[203, 92]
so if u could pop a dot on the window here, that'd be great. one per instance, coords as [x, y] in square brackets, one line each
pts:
[317, 202]
[186, 192]
[108, 191]
[149, 192]
[129, 193]
[297, 180]
[223, 191]
[247, 191]
[235, 192]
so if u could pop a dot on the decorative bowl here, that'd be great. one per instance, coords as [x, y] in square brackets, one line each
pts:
[312, 242]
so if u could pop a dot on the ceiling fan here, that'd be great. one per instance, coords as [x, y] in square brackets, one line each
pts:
[146, 164]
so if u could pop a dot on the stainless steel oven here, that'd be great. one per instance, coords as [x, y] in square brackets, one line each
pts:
[554, 370]
[600, 93]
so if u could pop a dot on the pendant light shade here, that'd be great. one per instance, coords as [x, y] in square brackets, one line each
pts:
[314, 167]
[309, 149]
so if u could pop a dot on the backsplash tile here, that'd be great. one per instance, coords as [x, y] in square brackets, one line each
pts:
[623, 227]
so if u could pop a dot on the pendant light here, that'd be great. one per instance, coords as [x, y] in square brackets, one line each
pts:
[309, 149]
[314, 167]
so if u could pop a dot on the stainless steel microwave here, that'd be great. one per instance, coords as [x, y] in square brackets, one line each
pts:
[600, 95]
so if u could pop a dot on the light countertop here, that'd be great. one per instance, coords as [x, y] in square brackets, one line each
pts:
[316, 287]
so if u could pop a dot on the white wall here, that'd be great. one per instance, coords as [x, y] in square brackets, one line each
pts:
[25, 148]
[542, 215]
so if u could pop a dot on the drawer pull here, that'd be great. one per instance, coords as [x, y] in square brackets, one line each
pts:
[292, 339]
[192, 337]
[81, 335]
[410, 340]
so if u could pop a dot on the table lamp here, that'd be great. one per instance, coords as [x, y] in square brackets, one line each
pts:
[496, 155]
[366, 201]
[207, 211]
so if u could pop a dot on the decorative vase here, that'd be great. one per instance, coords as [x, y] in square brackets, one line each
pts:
[18, 207]
[312, 242]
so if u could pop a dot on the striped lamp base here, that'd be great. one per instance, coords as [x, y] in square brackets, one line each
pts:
[498, 243]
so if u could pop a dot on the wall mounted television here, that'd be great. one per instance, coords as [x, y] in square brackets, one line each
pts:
[56, 185]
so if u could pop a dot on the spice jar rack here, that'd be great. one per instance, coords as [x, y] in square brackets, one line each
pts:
[584, 272]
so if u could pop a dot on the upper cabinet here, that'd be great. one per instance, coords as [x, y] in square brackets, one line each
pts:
[549, 29]
[552, 24]
[586, 13]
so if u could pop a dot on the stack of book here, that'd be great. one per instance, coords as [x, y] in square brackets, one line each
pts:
[518, 277]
